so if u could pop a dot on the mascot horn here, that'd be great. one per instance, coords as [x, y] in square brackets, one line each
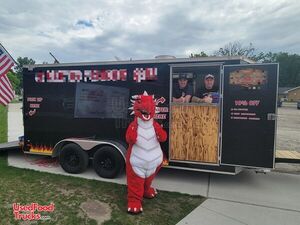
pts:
[144, 156]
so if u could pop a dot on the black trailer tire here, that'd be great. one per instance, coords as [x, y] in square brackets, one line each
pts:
[73, 159]
[108, 162]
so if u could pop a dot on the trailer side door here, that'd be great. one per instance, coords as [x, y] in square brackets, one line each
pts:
[249, 112]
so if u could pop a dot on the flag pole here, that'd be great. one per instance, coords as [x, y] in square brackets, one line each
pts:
[15, 62]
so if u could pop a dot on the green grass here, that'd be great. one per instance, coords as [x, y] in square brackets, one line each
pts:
[3, 124]
[67, 193]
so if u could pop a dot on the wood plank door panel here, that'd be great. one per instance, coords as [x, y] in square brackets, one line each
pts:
[194, 133]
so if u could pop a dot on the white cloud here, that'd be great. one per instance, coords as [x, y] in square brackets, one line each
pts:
[99, 30]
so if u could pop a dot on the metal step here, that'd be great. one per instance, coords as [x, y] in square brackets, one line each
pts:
[9, 146]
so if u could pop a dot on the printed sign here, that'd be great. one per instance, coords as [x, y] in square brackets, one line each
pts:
[140, 74]
[251, 78]
[34, 104]
[64, 76]
[99, 101]
[241, 111]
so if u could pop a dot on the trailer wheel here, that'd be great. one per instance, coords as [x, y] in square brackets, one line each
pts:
[108, 162]
[73, 159]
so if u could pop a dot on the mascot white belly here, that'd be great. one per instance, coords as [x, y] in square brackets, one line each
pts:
[146, 153]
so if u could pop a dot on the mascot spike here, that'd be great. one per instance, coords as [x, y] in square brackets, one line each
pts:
[145, 93]
[132, 101]
[132, 113]
[135, 97]
[130, 108]
[152, 96]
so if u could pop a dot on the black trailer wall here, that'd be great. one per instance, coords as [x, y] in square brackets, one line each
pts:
[249, 107]
[52, 112]
[56, 116]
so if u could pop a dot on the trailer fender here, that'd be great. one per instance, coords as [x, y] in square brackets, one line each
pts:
[87, 145]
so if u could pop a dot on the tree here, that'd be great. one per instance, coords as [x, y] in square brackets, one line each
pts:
[262, 57]
[197, 55]
[15, 81]
[289, 69]
[230, 49]
[19, 68]
[289, 66]
[236, 49]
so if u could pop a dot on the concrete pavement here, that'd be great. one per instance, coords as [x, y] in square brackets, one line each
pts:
[247, 198]
[271, 190]
[168, 179]
[214, 212]
[15, 121]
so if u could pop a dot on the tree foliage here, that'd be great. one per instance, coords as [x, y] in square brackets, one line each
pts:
[289, 64]
[197, 55]
[263, 57]
[289, 69]
[15, 81]
[19, 68]
[230, 49]
[236, 49]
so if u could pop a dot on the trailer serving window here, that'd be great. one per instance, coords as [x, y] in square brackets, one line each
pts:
[195, 113]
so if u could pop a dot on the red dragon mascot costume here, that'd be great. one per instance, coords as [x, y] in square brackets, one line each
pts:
[144, 156]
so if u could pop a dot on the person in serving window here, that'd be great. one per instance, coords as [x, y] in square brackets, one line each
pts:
[182, 91]
[208, 94]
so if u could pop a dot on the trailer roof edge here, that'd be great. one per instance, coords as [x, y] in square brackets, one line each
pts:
[121, 62]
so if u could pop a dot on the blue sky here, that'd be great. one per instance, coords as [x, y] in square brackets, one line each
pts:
[76, 31]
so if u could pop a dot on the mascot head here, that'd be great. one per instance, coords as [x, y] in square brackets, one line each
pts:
[143, 106]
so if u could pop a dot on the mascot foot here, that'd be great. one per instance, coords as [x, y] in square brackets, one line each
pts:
[150, 193]
[134, 207]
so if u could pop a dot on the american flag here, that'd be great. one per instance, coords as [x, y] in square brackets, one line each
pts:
[6, 63]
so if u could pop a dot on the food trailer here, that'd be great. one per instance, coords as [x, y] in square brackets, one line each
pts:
[79, 113]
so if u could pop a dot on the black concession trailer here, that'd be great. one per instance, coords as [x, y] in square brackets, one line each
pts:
[79, 113]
